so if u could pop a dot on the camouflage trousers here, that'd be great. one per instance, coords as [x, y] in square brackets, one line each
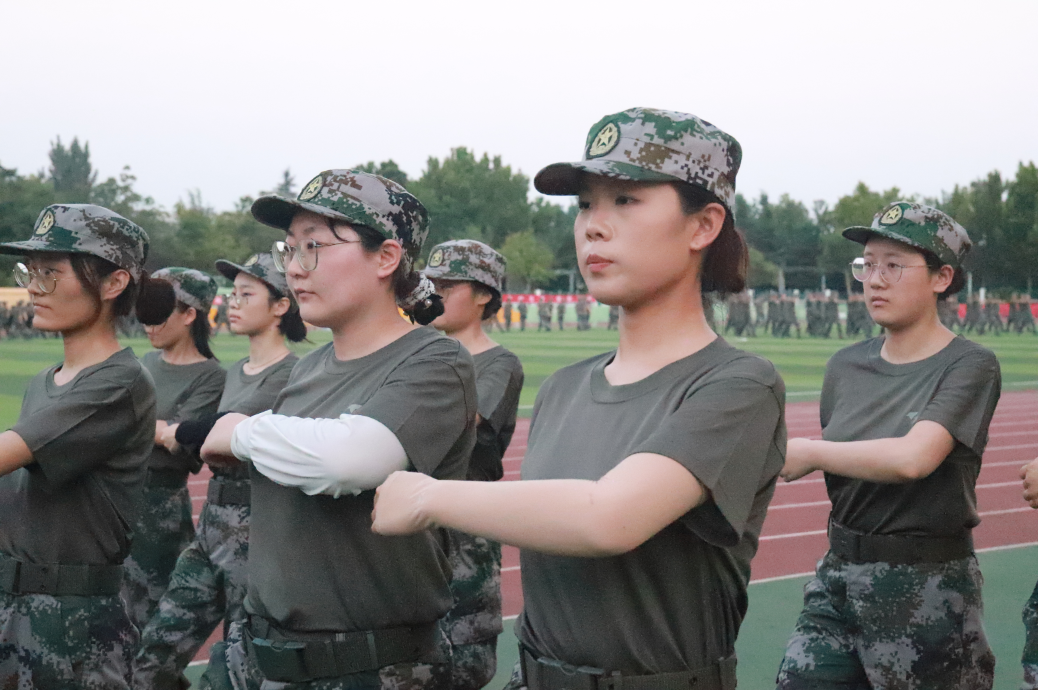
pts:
[875, 625]
[1030, 657]
[474, 622]
[66, 643]
[207, 585]
[230, 668]
[163, 531]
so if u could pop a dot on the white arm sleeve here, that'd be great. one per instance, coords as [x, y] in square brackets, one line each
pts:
[350, 454]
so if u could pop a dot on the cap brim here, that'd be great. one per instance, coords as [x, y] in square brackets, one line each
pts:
[858, 234]
[565, 179]
[277, 211]
[21, 248]
[862, 235]
[229, 270]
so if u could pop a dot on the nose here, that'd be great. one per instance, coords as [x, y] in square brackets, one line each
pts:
[596, 223]
[295, 268]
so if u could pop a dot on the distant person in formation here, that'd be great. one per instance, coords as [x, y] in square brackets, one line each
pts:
[543, 315]
[507, 313]
[614, 318]
[896, 601]
[222, 319]
[72, 468]
[948, 312]
[331, 605]
[637, 531]
[560, 314]
[993, 316]
[188, 384]
[583, 309]
[209, 581]
[522, 308]
[470, 276]
[832, 317]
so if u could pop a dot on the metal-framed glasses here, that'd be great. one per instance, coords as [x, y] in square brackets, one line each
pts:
[861, 269]
[305, 253]
[46, 278]
[443, 287]
[238, 299]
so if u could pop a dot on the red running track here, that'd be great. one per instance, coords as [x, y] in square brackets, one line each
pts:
[793, 537]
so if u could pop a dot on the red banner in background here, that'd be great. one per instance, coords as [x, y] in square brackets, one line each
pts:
[516, 298]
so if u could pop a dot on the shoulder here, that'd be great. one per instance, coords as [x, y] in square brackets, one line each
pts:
[964, 353]
[314, 357]
[503, 358]
[579, 371]
[425, 344]
[213, 371]
[858, 352]
[120, 371]
[731, 362]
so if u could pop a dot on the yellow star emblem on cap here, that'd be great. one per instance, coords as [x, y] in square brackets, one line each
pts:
[312, 188]
[436, 259]
[892, 216]
[46, 223]
[252, 259]
[605, 141]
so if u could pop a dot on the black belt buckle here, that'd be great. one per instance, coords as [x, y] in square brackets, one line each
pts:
[38, 579]
[283, 662]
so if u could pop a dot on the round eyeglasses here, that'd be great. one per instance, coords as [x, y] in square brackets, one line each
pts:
[861, 269]
[305, 254]
[46, 278]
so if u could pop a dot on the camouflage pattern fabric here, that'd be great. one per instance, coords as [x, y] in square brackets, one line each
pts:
[1030, 656]
[259, 266]
[352, 196]
[918, 226]
[474, 665]
[474, 622]
[875, 625]
[86, 643]
[515, 681]
[162, 532]
[192, 287]
[231, 669]
[207, 585]
[467, 260]
[649, 145]
[87, 229]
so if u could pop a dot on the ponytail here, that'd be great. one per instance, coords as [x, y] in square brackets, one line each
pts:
[151, 300]
[155, 301]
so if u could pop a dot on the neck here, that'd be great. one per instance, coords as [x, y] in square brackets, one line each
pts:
[917, 341]
[265, 348]
[473, 338]
[183, 352]
[369, 330]
[88, 346]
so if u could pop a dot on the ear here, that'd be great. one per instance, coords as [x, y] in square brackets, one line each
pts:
[705, 225]
[942, 280]
[482, 297]
[189, 316]
[114, 284]
[281, 307]
[389, 256]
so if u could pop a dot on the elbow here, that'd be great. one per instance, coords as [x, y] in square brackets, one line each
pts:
[913, 468]
[611, 538]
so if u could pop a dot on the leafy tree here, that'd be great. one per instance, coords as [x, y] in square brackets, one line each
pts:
[71, 172]
[785, 233]
[529, 260]
[1020, 233]
[856, 208]
[762, 272]
[553, 226]
[22, 198]
[287, 186]
[387, 169]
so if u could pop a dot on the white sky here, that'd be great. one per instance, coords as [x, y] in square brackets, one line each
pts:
[223, 96]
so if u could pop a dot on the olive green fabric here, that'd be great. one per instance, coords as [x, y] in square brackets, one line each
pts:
[499, 381]
[865, 397]
[677, 601]
[314, 563]
[90, 439]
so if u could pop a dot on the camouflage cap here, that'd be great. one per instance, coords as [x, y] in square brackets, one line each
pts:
[191, 286]
[87, 229]
[467, 260]
[352, 196]
[918, 226]
[260, 266]
[648, 145]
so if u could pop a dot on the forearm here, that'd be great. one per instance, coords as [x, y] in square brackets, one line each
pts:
[14, 454]
[884, 460]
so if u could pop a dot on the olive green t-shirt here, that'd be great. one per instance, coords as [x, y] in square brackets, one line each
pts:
[182, 391]
[499, 380]
[90, 440]
[676, 602]
[314, 563]
[866, 397]
[251, 394]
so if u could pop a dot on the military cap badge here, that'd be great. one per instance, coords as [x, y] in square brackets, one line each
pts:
[252, 260]
[46, 223]
[605, 141]
[892, 216]
[436, 259]
[312, 188]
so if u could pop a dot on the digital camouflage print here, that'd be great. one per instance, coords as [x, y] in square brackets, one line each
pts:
[85, 643]
[904, 627]
[208, 585]
[918, 226]
[467, 260]
[87, 229]
[474, 622]
[1030, 656]
[474, 665]
[259, 266]
[649, 145]
[191, 286]
[352, 196]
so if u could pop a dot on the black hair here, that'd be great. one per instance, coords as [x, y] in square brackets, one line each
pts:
[152, 301]
[491, 307]
[404, 281]
[934, 264]
[727, 259]
[200, 330]
[291, 324]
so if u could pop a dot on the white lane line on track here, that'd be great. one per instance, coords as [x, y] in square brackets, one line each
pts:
[809, 504]
[1029, 432]
[999, 485]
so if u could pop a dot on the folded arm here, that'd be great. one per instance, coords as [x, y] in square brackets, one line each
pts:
[14, 454]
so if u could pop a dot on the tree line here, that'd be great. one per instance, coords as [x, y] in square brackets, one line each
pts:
[480, 197]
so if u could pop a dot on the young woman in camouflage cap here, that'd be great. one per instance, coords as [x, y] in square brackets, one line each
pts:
[330, 604]
[636, 532]
[896, 601]
[72, 467]
[188, 384]
[209, 581]
[470, 277]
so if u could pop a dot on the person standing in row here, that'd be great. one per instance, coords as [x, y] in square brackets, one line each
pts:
[522, 308]
[896, 601]
[470, 277]
[188, 384]
[330, 604]
[72, 467]
[209, 581]
[636, 534]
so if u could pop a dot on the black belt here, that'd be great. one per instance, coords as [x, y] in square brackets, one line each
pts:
[223, 492]
[58, 579]
[166, 479]
[549, 674]
[298, 657]
[896, 549]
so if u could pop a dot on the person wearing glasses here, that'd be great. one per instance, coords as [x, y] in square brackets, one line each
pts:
[330, 604]
[209, 581]
[896, 601]
[72, 468]
[188, 384]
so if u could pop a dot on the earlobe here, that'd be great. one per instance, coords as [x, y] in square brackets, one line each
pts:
[707, 225]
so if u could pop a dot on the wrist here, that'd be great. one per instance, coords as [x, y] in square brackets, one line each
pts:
[429, 500]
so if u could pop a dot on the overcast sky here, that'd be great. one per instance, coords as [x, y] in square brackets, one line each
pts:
[223, 96]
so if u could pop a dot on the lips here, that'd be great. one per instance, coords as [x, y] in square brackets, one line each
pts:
[596, 263]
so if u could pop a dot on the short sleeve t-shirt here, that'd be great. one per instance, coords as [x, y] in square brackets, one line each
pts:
[182, 391]
[866, 397]
[676, 602]
[90, 439]
[499, 381]
[314, 563]
[251, 394]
